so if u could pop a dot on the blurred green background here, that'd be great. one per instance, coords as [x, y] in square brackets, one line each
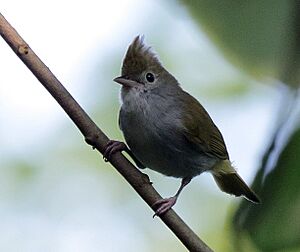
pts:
[240, 59]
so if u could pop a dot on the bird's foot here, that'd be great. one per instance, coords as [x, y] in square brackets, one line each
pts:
[112, 147]
[164, 205]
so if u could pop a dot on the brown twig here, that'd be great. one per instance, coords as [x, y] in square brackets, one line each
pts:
[95, 137]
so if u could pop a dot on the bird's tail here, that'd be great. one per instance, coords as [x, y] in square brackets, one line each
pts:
[230, 182]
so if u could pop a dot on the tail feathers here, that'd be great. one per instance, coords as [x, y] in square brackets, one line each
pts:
[230, 182]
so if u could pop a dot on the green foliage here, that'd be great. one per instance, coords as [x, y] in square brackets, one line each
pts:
[234, 88]
[274, 225]
[263, 38]
[258, 36]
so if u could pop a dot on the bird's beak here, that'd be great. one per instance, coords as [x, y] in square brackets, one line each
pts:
[126, 82]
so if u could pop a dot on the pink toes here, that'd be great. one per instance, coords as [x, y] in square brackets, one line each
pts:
[164, 205]
[112, 147]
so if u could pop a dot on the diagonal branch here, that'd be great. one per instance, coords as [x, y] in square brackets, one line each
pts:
[95, 137]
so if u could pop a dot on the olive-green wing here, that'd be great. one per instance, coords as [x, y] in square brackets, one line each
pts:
[201, 131]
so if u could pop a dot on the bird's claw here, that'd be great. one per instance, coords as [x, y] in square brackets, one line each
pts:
[164, 205]
[112, 147]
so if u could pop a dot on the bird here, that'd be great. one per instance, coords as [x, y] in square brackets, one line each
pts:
[167, 130]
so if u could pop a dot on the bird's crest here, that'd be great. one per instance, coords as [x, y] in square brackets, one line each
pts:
[139, 57]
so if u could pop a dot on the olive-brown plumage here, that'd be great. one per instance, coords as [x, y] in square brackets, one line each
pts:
[167, 129]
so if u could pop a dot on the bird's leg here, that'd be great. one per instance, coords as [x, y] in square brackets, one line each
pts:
[164, 205]
[113, 146]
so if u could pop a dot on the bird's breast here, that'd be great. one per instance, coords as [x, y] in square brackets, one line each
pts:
[153, 132]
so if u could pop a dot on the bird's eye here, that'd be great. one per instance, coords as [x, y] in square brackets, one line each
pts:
[150, 77]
